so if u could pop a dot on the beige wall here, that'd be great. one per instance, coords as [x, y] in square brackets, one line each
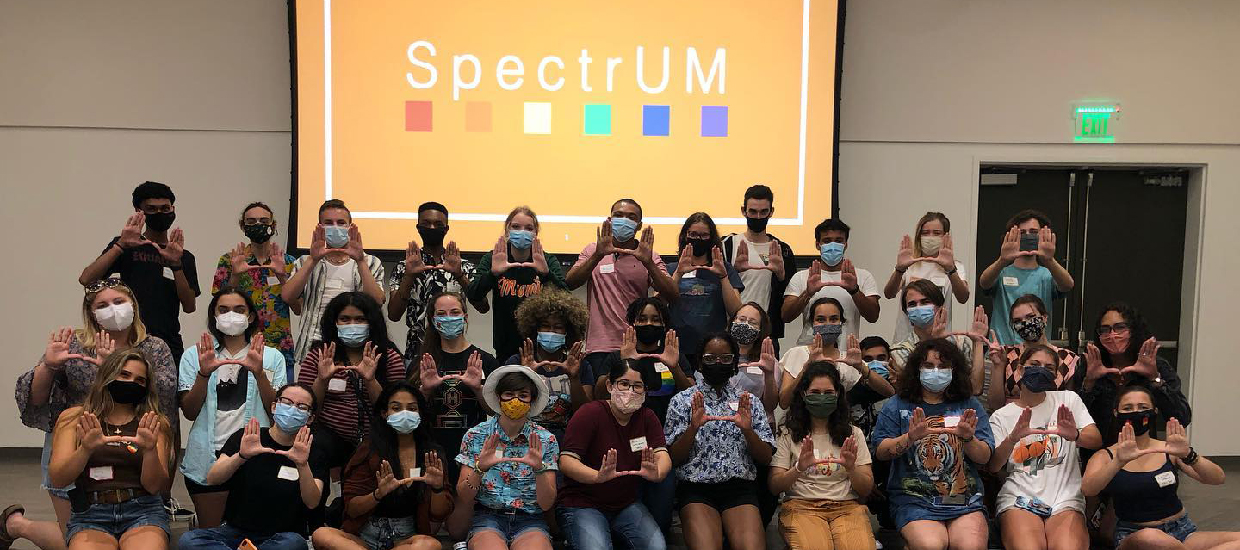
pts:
[195, 94]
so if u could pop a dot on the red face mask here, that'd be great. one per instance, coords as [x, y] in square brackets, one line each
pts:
[1116, 342]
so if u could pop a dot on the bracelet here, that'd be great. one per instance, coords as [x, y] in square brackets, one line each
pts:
[175, 267]
[1191, 457]
[952, 272]
[375, 494]
[901, 271]
[200, 374]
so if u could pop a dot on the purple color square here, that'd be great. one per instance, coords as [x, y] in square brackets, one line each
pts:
[714, 121]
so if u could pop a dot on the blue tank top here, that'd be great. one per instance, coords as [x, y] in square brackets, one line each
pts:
[1139, 498]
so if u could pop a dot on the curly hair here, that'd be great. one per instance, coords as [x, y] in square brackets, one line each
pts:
[553, 303]
[1138, 332]
[961, 387]
[798, 422]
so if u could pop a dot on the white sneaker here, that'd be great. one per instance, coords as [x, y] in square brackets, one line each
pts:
[878, 545]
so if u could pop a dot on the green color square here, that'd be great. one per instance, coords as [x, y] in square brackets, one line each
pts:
[597, 120]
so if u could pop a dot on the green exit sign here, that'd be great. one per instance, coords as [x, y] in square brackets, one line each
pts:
[1095, 123]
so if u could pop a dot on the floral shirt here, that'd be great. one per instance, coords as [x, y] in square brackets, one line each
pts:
[509, 485]
[720, 452]
[75, 377]
[425, 286]
[264, 290]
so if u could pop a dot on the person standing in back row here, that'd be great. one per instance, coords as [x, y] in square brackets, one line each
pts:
[153, 263]
[832, 276]
[765, 263]
[928, 255]
[1026, 265]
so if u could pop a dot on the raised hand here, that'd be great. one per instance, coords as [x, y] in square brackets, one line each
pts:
[473, 372]
[1094, 369]
[1177, 439]
[685, 263]
[744, 414]
[452, 261]
[533, 454]
[816, 349]
[527, 354]
[938, 328]
[645, 247]
[432, 472]
[607, 470]
[252, 442]
[275, 262]
[628, 344]
[603, 244]
[813, 279]
[147, 436]
[1046, 245]
[208, 361]
[852, 354]
[767, 359]
[499, 257]
[572, 362]
[742, 258]
[386, 480]
[905, 257]
[806, 458]
[540, 259]
[996, 353]
[370, 362]
[428, 374]
[1022, 429]
[491, 453]
[965, 428]
[978, 328]
[175, 248]
[413, 259]
[650, 467]
[775, 260]
[299, 453]
[131, 232]
[1126, 449]
[918, 426]
[237, 259]
[253, 360]
[848, 454]
[318, 243]
[947, 257]
[848, 276]
[697, 410]
[1009, 249]
[104, 346]
[671, 349]
[57, 351]
[1065, 424]
[1147, 361]
[327, 362]
[90, 433]
[354, 247]
[717, 266]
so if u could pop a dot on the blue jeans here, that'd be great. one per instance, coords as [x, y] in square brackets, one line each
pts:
[44, 460]
[1178, 528]
[383, 533]
[591, 529]
[509, 526]
[226, 537]
[116, 519]
[660, 500]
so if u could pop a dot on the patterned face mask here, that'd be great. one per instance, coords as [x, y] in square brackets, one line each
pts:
[744, 333]
[1030, 330]
[514, 408]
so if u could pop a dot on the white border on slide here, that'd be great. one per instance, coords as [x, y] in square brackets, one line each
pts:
[472, 216]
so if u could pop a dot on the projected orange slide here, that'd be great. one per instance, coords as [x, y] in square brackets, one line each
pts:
[564, 105]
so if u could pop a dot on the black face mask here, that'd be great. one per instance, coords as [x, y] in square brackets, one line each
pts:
[701, 247]
[432, 237]
[718, 374]
[161, 221]
[126, 392]
[757, 225]
[1141, 421]
[259, 233]
[649, 334]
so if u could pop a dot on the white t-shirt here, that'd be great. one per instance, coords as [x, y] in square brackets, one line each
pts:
[794, 361]
[1044, 470]
[825, 481]
[757, 281]
[865, 281]
[936, 274]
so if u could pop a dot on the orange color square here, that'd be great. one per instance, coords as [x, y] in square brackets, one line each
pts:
[417, 116]
[477, 116]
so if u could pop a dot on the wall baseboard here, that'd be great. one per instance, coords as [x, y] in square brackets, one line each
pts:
[21, 453]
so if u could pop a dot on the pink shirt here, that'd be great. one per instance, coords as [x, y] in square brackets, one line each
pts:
[616, 281]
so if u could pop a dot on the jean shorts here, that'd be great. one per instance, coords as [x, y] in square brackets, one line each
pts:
[44, 460]
[1178, 528]
[509, 525]
[115, 519]
[383, 533]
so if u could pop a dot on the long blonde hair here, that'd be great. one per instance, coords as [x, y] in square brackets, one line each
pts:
[99, 402]
[90, 326]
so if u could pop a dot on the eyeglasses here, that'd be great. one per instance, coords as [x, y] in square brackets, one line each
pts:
[110, 282]
[257, 221]
[713, 359]
[299, 406]
[626, 385]
[1117, 328]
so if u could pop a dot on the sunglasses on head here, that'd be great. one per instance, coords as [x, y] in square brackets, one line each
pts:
[110, 282]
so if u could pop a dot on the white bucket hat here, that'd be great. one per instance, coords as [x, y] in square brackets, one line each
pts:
[492, 400]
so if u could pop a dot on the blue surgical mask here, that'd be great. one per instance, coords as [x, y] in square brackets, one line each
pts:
[289, 418]
[353, 336]
[830, 333]
[832, 253]
[404, 422]
[623, 229]
[520, 238]
[921, 316]
[936, 380]
[337, 236]
[880, 367]
[1038, 378]
[449, 326]
[551, 341]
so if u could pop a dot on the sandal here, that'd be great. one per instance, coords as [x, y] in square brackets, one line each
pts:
[7, 540]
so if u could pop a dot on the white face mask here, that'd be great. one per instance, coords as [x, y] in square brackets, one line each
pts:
[232, 323]
[115, 317]
[931, 244]
[627, 401]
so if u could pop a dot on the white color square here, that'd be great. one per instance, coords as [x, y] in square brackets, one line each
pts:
[537, 117]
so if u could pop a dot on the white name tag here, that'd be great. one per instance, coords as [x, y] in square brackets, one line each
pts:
[638, 444]
[333, 283]
[337, 384]
[660, 367]
[754, 370]
[951, 421]
[101, 473]
[272, 280]
[415, 472]
[1164, 479]
[607, 268]
[736, 406]
[690, 275]
[168, 274]
[288, 472]
[1010, 281]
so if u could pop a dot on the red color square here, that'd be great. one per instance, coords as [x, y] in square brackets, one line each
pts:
[417, 116]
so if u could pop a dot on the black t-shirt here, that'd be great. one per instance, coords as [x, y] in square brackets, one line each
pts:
[454, 406]
[261, 500]
[143, 271]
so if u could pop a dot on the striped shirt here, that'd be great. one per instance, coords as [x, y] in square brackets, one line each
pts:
[326, 282]
[340, 409]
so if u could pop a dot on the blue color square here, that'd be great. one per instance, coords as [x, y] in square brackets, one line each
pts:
[714, 121]
[597, 120]
[656, 120]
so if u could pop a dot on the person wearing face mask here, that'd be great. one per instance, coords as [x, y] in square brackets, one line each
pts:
[718, 434]
[1127, 353]
[708, 288]
[260, 269]
[751, 328]
[936, 435]
[616, 270]
[832, 276]
[611, 447]
[764, 262]
[63, 378]
[929, 256]
[553, 322]
[1029, 319]
[1141, 474]
[347, 371]
[822, 466]
[153, 262]
[509, 465]
[394, 489]
[116, 449]
[450, 374]
[926, 309]
[275, 476]
[315, 282]
[225, 380]
[827, 321]
[514, 270]
[1026, 265]
[428, 270]
[1038, 439]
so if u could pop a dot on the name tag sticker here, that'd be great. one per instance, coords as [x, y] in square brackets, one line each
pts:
[337, 384]
[950, 421]
[689, 275]
[333, 283]
[607, 268]
[288, 472]
[101, 473]
[272, 280]
[1164, 479]
[1010, 281]
[754, 370]
[736, 406]
[638, 444]
[168, 274]
[660, 367]
[415, 472]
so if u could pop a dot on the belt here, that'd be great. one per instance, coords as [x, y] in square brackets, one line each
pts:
[114, 496]
[506, 512]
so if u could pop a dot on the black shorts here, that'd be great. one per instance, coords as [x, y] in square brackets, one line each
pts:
[197, 489]
[721, 496]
